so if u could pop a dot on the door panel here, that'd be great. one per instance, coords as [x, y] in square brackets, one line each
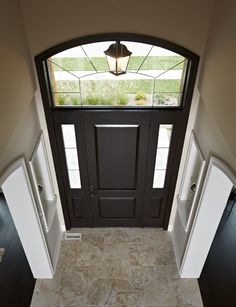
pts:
[117, 207]
[116, 154]
[117, 149]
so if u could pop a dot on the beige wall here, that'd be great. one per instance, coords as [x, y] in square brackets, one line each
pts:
[19, 125]
[183, 22]
[216, 120]
[51, 22]
[215, 125]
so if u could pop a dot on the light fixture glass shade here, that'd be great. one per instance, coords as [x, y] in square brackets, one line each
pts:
[117, 58]
[117, 66]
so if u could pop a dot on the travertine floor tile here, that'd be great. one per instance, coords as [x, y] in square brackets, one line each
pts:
[45, 299]
[117, 267]
[101, 291]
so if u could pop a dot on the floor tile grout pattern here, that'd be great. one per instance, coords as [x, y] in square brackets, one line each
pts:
[120, 267]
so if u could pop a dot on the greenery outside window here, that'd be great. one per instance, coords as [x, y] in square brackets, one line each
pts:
[80, 77]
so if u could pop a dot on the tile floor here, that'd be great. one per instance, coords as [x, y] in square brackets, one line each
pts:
[123, 267]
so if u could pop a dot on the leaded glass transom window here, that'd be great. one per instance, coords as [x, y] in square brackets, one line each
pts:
[80, 77]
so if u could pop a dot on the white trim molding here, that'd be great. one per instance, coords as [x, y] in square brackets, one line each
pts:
[217, 186]
[17, 190]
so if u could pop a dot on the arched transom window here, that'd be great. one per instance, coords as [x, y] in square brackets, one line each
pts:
[80, 77]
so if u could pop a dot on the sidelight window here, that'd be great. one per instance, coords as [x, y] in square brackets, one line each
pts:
[162, 153]
[70, 147]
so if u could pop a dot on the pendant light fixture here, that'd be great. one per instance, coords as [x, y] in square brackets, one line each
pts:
[117, 58]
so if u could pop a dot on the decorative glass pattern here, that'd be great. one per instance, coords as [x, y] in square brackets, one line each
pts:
[80, 77]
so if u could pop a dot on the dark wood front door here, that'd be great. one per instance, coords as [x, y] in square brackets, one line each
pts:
[117, 166]
[117, 149]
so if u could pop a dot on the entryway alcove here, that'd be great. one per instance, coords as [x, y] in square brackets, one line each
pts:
[117, 137]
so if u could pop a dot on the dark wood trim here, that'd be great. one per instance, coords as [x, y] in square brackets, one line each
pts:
[76, 119]
[116, 36]
[44, 83]
[160, 117]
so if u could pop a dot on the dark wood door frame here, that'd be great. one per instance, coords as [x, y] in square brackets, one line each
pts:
[85, 122]
[161, 117]
[82, 195]
[50, 110]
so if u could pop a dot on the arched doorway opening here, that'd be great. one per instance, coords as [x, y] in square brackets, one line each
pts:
[117, 140]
